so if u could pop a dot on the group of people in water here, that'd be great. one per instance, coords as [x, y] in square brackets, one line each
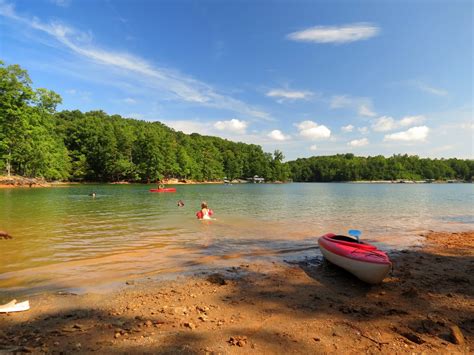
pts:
[204, 213]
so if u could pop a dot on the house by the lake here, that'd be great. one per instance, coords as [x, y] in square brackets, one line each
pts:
[256, 180]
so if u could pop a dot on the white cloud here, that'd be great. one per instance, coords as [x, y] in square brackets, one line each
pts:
[289, 94]
[432, 90]
[207, 128]
[386, 123]
[340, 101]
[429, 89]
[313, 148]
[362, 105]
[336, 34]
[414, 134]
[358, 142]
[7, 10]
[348, 128]
[129, 101]
[278, 135]
[363, 130]
[467, 126]
[311, 130]
[176, 84]
[364, 110]
[411, 120]
[233, 125]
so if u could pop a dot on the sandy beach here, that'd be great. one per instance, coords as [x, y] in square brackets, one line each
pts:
[424, 306]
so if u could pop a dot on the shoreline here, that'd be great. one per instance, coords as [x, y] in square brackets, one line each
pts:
[24, 182]
[74, 183]
[304, 307]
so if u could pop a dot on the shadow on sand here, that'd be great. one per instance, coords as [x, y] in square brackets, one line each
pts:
[302, 307]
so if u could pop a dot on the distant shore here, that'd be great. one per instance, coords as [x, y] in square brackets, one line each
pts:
[408, 182]
[423, 306]
[24, 182]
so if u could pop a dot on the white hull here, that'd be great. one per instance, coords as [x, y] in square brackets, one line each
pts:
[371, 273]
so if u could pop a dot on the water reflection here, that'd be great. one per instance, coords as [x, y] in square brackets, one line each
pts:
[65, 238]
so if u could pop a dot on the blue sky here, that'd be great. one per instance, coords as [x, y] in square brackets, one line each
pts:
[306, 77]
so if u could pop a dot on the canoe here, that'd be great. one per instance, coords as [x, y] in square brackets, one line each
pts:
[164, 189]
[363, 260]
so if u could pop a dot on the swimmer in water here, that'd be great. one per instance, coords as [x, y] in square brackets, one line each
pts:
[205, 212]
[5, 235]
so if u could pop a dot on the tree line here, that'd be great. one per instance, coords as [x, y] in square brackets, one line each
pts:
[38, 141]
[347, 167]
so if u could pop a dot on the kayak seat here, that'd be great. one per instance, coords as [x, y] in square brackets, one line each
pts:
[345, 238]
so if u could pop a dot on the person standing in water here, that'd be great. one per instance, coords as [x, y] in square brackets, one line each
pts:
[205, 212]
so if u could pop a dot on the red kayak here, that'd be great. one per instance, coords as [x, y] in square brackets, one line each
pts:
[164, 189]
[364, 260]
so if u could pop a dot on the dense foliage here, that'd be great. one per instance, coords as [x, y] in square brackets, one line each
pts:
[111, 148]
[29, 142]
[347, 167]
[37, 141]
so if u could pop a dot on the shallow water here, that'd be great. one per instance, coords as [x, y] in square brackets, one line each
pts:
[65, 239]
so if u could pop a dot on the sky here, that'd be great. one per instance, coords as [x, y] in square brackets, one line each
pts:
[305, 77]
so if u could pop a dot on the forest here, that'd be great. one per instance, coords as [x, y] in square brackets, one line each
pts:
[38, 141]
[347, 167]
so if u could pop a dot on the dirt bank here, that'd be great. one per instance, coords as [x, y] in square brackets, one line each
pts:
[20, 181]
[307, 307]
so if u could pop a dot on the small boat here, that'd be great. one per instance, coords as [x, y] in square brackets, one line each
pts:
[361, 259]
[164, 189]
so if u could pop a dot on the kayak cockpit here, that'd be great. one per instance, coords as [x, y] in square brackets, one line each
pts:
[345, 238]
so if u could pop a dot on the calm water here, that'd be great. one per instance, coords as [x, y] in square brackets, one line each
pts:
[64, 239]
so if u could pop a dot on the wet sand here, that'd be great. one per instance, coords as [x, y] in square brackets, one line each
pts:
[306, 307]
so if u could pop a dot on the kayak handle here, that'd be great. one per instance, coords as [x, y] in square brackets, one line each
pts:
[355, 233]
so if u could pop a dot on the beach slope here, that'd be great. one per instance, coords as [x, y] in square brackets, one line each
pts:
[425, 305]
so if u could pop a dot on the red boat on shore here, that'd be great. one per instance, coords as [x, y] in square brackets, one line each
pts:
[164, 189]
[363, 260]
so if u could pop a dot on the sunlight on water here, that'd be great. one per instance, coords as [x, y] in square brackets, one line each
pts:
[65, 239]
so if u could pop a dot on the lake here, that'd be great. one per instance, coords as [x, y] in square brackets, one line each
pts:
[65, 239]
